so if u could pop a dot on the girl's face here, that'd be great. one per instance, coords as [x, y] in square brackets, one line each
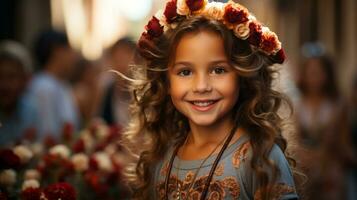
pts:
[203, 85]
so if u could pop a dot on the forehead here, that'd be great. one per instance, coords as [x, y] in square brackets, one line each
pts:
[200, 45]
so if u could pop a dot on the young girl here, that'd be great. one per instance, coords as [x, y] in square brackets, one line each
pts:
[205, 121]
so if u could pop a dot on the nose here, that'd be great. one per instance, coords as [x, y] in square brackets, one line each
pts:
[202, 83]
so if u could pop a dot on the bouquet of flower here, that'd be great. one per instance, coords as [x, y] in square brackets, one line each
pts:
[83, 166]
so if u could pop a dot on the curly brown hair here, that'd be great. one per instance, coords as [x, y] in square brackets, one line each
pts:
[156, 125]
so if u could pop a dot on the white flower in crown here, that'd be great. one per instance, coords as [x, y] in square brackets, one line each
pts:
[182, 8]
[162, 19]
[242, 31]
[251, 17]
[32, 183]
[214, 10]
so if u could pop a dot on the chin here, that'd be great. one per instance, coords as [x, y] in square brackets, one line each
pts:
[204, 121]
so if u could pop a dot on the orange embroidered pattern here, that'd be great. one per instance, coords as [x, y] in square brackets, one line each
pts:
[218, 188]
[240, 155]
[278, 191]
[219, 170]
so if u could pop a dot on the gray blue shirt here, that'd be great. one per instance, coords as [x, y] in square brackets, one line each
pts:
[233, 177]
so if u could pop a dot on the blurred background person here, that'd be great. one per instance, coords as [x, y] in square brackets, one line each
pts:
[114, 106]
[86, 90]
[321, 118]
[319, 97]
[50, 87]
[17, 116]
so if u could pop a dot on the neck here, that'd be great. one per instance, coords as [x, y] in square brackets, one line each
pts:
[201, 136]
[53, 70]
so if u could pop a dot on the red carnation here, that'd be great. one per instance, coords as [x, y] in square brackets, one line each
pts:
[78, 146]
[31, 194]
[63, 191]
[170, 11]
[195, 5]
[154, 28]
[94, 181]
[269, 43]
[279, 57]
[67, 132]
[234, 14]
[255, 36]
[8, 159]
[93, 164]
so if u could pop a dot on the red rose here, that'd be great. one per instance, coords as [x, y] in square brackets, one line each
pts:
[269, 43]
[8, 159]
[195, 5]
[31, 194]
[170, 11]
[63, 191]
[255, 36]
[234, 14]
[279, 57]
[146, 45]
[154, 28]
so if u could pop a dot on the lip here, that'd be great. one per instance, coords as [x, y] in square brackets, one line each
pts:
[203, 108]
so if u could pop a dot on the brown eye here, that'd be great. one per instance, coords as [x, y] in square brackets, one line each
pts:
[219, 70]
[185, 72]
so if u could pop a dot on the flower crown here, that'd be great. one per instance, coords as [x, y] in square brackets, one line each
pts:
[235, 16]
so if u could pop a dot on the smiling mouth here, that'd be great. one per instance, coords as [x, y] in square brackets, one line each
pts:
[203, 105]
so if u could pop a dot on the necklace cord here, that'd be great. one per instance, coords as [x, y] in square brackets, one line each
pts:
[169, 171]
[204, 192]
[225, 145]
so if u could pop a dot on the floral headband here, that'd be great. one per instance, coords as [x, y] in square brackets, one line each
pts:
[235, 16]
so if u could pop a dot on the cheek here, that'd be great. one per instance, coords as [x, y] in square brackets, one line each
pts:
[230, 87]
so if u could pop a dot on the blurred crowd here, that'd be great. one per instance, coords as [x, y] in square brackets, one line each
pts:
[52, 87]
[58, 88]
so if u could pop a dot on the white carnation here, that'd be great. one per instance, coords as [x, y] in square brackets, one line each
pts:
[37, 149]
[24, 153]
[32, 183]
[102, 132]
[7, 177]
[60, 150]
[104, 162]
[80, 162]
[87, 139]
[32, 174]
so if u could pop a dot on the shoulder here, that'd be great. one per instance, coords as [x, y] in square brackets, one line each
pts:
[42, 82]
[284, 186]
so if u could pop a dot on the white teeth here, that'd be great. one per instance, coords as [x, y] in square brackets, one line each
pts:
[202, 103]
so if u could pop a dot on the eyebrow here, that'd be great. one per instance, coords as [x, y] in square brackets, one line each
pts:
[190, 64]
